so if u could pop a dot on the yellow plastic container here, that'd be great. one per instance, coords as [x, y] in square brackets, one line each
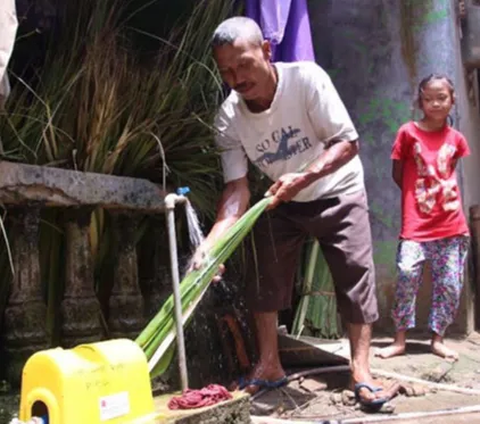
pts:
[105, 382]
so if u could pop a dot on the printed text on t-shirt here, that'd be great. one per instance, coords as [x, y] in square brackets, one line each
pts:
[283, 151]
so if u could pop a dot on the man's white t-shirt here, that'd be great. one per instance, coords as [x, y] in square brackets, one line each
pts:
[306, 114]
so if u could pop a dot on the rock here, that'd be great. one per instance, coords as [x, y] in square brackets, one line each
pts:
[336, 398]
[419, 390]
[260, 407]
[415, 390]
[439, 373]
[348, 398]
[311, 385]
[387, 408]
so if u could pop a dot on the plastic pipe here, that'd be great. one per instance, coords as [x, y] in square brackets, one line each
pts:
[170, 201]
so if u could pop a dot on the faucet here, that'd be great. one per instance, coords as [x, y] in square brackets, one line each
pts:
[171, 200]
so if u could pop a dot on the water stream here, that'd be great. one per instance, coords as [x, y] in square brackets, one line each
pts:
[194, 230]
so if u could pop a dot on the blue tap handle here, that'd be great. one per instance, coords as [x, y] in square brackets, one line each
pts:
[181, 191]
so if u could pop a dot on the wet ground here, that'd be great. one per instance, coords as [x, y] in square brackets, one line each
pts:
[325, 397]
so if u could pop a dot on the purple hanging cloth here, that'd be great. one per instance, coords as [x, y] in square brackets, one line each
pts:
[286, 24]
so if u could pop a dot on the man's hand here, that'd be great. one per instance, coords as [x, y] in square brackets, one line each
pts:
[232, 205]
[287, 187]
[200, 258]
[334, 157]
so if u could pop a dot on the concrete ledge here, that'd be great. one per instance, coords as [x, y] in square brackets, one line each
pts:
[235, 411]
[23, 184]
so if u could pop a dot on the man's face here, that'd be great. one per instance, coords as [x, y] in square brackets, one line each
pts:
[244, 66]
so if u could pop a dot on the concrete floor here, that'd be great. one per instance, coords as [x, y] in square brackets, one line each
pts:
[324, 397]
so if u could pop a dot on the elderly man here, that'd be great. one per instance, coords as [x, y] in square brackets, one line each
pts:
[289, 121]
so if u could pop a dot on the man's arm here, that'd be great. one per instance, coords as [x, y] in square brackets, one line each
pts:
[397, 172]
[333, 158]
[232, 205]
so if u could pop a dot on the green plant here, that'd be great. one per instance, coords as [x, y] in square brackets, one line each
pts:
[316, 313]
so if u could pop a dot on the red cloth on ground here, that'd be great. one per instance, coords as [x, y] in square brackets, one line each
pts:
[207, 396]
[431, 203]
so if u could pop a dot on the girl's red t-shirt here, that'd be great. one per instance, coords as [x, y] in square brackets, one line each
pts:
[431, 202]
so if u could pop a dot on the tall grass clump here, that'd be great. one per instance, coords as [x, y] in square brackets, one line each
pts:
[99, 105]
[100, 102]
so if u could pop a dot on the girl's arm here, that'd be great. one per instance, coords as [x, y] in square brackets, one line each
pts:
[397, 172]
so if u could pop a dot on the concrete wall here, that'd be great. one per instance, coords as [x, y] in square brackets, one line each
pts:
[376, 52]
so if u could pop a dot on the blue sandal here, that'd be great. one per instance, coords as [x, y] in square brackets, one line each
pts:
[262, 384]
[372, 405]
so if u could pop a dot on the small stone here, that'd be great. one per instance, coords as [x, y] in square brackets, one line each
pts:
[336, 398]
[295, 385]
[348, 398]
[439, 373]
[311, 385]
[387, 408]
[419, 391]
[409, 391]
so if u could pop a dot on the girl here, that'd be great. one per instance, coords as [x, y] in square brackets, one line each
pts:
[434, 228]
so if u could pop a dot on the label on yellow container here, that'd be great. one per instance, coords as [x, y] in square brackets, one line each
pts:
[114, 406]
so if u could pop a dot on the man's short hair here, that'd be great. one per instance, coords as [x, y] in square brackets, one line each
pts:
[237, 27]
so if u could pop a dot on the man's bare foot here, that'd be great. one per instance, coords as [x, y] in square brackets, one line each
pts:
[260, 372]
[362, 375]
[395, 349]
[439, 348]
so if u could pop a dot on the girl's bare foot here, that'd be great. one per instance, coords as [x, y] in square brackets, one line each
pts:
[439, 348]
[395, 349]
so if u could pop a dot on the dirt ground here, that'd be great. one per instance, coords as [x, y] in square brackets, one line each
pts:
[325, 398]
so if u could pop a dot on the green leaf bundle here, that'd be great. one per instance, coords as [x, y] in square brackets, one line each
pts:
[157, 338]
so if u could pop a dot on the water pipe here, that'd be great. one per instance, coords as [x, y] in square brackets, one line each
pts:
[170, 201]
